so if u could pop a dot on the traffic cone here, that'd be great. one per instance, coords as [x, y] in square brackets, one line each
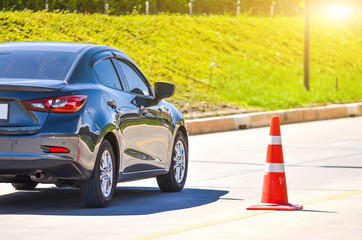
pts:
[275, 196]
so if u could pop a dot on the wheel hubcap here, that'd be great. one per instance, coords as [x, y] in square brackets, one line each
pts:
[179, 161]
[106, 173]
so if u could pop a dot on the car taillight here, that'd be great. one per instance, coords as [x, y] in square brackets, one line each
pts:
[64, 104]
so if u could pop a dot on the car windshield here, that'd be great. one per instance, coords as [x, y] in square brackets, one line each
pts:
[35, 65]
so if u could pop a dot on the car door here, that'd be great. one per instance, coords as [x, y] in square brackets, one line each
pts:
[124, 112]
[154, 118]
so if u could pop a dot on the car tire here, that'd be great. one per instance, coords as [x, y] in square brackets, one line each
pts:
[104, 174]
[175, 180]
[25, 186]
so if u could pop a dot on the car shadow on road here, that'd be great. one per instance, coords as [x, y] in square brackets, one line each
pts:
[126, 201]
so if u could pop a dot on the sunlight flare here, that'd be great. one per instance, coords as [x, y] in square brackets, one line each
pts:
[339, 11]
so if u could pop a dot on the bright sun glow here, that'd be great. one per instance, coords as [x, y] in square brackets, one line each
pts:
[339, 11]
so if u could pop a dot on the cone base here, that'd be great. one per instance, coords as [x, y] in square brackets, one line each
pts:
[275, 206]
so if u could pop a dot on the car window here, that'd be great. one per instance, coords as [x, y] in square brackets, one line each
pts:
[135, 83]
[106, 74]
[36, 65]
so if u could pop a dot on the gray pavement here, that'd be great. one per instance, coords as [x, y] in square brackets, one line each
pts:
[323, 168]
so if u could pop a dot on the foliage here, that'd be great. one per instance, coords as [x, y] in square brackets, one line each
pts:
[259, 59]
[118, 7]
[227, 7]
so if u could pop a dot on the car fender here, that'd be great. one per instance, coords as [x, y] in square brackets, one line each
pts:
[179, 124]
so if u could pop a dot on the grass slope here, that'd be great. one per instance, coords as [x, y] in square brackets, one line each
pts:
[259, 59]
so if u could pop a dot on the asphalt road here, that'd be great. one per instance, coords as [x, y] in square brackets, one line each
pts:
[323, 169]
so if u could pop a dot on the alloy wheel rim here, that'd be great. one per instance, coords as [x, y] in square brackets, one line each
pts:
[179, 162]
[106, 173]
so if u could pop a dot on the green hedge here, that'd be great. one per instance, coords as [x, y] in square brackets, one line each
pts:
[118, 7]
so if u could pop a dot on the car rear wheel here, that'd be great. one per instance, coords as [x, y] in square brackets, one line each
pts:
[24, 186]
[175, 180]
[98, 190]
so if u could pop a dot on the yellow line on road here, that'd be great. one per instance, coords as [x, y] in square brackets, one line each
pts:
[199, 225]
[331, 197]
[235, 217]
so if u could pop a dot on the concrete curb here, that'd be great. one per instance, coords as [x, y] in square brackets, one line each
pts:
[262, 119]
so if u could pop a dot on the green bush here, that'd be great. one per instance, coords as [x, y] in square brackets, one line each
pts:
[118, 7]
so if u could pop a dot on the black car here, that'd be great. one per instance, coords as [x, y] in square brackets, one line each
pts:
[85, 115]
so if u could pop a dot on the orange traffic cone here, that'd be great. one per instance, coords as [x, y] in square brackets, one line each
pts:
[275, 196]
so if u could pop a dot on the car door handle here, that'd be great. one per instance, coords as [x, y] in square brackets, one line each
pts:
[112, 103]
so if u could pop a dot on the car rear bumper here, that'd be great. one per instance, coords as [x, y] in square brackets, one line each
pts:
[56, 169]
[25, 155]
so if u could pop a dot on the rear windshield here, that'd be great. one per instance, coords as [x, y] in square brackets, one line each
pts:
[36, 65]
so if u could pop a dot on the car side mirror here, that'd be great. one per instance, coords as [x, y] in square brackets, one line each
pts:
[164, 89]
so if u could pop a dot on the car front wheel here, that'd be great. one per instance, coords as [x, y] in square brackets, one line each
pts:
[175, 180]
[98, 190]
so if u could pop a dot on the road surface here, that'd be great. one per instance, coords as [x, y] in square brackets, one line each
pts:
[323, 162]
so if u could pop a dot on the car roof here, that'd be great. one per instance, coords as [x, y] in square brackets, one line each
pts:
[70, 47]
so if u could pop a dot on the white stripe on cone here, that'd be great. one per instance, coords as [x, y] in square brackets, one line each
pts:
[274, 167]
[275, 140]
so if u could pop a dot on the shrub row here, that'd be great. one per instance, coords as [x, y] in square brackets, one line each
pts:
[118, 7]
